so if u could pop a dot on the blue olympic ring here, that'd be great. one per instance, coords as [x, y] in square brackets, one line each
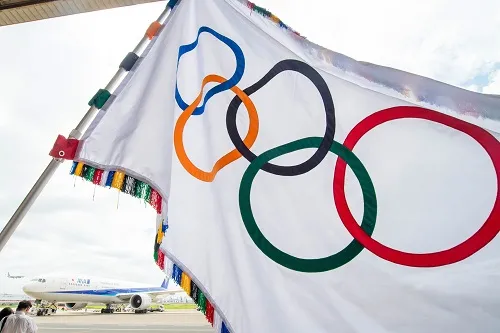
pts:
[233, 81]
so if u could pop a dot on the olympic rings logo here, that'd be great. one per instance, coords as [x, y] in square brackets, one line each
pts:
[361, 233]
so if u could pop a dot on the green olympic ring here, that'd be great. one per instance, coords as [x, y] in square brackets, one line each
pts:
[299, 264]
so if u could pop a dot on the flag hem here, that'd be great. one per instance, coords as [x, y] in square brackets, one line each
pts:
[175, 275]
[122, 179]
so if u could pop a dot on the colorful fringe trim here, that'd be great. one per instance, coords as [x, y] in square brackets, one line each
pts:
[267, 14]
[194, 291]
[119, 180]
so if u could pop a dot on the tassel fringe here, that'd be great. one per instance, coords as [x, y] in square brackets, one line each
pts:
[129, 185]
[119, 180]
[267, 14]
[160, 261]
[193, 290]
[209, 313]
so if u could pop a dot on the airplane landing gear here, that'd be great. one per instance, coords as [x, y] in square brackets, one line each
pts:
[108, 309]
[45, 309]
[42, 312]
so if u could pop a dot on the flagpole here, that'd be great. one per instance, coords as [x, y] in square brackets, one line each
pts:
[76, 133]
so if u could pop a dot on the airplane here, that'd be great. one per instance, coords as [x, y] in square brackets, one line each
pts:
[14, 276]
[77, 291]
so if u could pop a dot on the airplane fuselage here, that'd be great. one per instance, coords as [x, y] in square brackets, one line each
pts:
[85, 289]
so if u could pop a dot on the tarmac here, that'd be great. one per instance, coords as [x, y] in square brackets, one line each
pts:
[183, 321]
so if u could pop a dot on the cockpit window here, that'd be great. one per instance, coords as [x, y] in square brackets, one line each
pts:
[39, 280]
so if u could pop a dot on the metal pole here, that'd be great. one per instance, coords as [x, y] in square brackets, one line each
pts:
[76, 133]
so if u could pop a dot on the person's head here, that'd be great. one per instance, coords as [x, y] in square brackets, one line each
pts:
[24, 306]
[6, 312]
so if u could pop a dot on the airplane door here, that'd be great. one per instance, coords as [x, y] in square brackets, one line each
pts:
[64, 284]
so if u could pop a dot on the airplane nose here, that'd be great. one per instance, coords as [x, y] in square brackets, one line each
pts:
[26, 288]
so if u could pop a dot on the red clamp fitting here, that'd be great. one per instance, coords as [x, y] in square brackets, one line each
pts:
[64, 148]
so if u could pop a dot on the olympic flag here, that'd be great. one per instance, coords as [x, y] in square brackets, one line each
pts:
[299, 190]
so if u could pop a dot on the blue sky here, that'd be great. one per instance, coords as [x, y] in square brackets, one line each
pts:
[50, 69]
[485, 82]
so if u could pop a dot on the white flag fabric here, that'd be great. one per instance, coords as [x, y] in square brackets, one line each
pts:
[299, 190]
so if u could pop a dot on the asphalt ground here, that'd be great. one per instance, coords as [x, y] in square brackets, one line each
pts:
[183, 321]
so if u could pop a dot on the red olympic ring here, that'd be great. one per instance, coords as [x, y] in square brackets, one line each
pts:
[481, 238]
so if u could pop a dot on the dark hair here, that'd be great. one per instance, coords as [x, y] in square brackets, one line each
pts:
[6, 312]
[23, 305]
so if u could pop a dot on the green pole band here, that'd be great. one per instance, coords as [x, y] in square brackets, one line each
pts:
[100, 98]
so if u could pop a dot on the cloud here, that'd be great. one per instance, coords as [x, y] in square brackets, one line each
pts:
[494, 85]
[51, 68]
[446, 40]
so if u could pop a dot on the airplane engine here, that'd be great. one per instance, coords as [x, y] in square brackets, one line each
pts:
[76, 306]
[140, 301]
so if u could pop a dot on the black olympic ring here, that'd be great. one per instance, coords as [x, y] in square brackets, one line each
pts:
[327, 141]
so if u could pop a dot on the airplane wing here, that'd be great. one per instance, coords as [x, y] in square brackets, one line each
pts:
[125, 295]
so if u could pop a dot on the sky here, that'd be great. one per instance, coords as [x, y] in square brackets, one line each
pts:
[50, 69]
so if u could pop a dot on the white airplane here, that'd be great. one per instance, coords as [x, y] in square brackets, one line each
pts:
[78, 291]
[14, 276]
